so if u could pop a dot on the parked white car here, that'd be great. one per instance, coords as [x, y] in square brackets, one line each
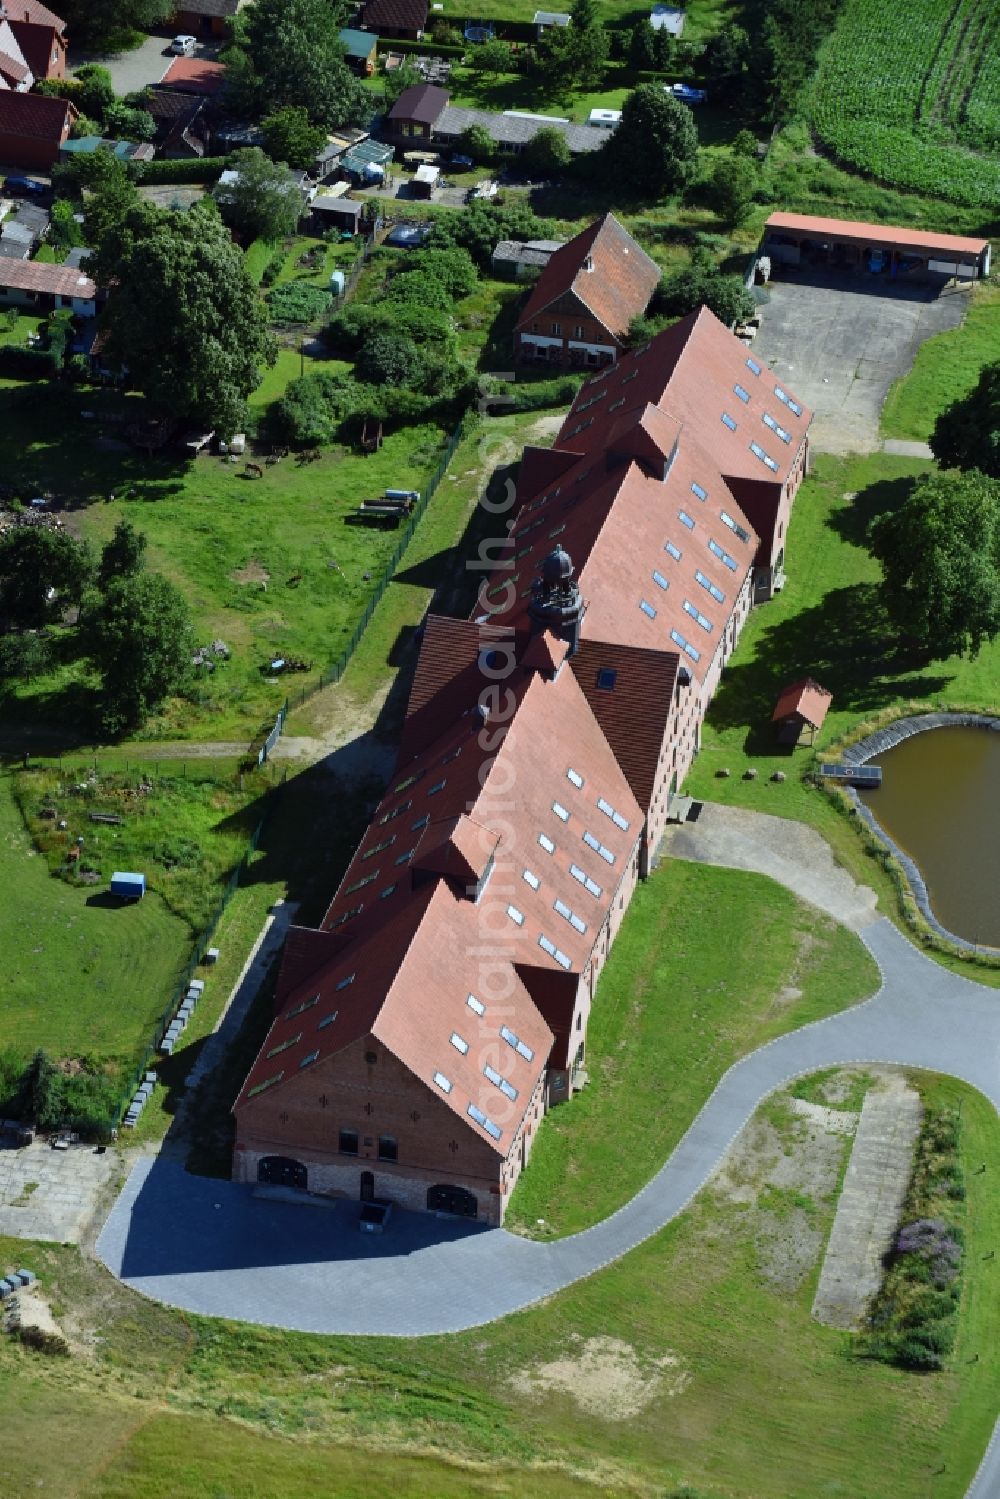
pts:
[183, 46]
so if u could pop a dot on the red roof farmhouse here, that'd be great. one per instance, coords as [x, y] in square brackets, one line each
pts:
[581, 306]
[441, 1007]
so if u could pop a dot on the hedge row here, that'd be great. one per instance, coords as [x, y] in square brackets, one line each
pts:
[29, 364]
[163, 173]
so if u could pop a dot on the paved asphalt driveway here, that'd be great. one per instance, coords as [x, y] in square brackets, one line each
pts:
[840, 342]
[213, 1247]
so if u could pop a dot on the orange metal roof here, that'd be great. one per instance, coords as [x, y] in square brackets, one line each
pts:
[920, 239]
[806, 700]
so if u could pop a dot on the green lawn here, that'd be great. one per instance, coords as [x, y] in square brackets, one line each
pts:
[828, 623]
[945, 369]
[221, 538]
[679, 1001]
[756, 1398]
[78, 976]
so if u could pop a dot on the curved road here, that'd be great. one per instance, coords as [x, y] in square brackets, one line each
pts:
[211, 1247]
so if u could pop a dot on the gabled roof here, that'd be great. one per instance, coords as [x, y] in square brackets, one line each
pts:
[37, 275]
[691, 371]
[806, 700]
[218, 8]
[35, 117]
[422, 102]
[630, 690]
[456, 847]
[359, 44]
[395, 15]
[32, 13]
[605, 269]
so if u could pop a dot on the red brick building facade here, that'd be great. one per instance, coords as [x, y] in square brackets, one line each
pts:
[443, 1004]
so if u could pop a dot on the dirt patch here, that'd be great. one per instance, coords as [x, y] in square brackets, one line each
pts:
[252, 572]
[34, 1311]
[783, 1171]
[605, 1377]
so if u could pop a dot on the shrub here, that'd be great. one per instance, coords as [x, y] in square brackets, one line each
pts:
[273, 268]
[25, 655]
[297, 302]
[163, 173]
[41, 1341]
[390, 359]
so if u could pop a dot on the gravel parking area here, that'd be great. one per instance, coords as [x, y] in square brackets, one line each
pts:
[840, 342]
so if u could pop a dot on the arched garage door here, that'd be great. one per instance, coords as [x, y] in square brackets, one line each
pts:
[445, 1199]
[280, 1171]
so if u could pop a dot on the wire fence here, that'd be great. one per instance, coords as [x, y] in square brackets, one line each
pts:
[199, 949]
[261, 748]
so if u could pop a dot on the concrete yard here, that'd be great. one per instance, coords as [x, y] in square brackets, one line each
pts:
[53, 1194]
[841, 341]
[870, 1204]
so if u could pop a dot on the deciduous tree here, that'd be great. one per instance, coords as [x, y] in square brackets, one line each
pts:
[654, 148]
[547, 153]
[289, 137]
[940, 556]
[42, 572]
[731, 187]
[123, 555]
[264, 202]
[288, 52]
[185, 318]
[967, 434]
[139, 639]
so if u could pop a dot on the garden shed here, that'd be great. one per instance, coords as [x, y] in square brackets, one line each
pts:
[333, 211]
[802, 705]
[128, 886]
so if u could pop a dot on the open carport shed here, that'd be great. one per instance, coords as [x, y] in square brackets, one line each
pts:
[801, 239]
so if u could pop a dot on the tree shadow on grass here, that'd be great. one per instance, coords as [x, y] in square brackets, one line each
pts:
[845, 643]
[853, 522]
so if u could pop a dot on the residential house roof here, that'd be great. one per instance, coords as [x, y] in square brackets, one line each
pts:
[194, 75]
[422, 102]
[30, 216]
[31, 13]
[35, 117]
[605, 270]
[20, 233]
[13, 249]
[394, 15]
[516, 130]
[882, 234]
[14, 70]
[220, 8]
[359, 44]
[57, 280]
[525, 252]
[806, 700]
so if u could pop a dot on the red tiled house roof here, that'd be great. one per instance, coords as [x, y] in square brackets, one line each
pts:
[40, 35]
[601, 273]
[394, 15]
[37, 275]
[34, 117]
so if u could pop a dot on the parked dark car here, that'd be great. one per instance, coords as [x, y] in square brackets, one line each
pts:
[26, 185]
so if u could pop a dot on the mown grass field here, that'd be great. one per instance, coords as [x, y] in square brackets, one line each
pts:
[908, 95]
[677, 1004]
[946, 369]
[740, 1393]
[78, 976]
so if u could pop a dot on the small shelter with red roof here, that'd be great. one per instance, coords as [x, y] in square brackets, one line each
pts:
[802, 705]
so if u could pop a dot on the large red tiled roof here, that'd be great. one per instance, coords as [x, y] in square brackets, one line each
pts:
[34, 116]
[507, 804]
[32, 13]
[881, 234]
[605, 269]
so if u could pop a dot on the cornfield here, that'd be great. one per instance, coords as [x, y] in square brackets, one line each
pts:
[910, 94]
